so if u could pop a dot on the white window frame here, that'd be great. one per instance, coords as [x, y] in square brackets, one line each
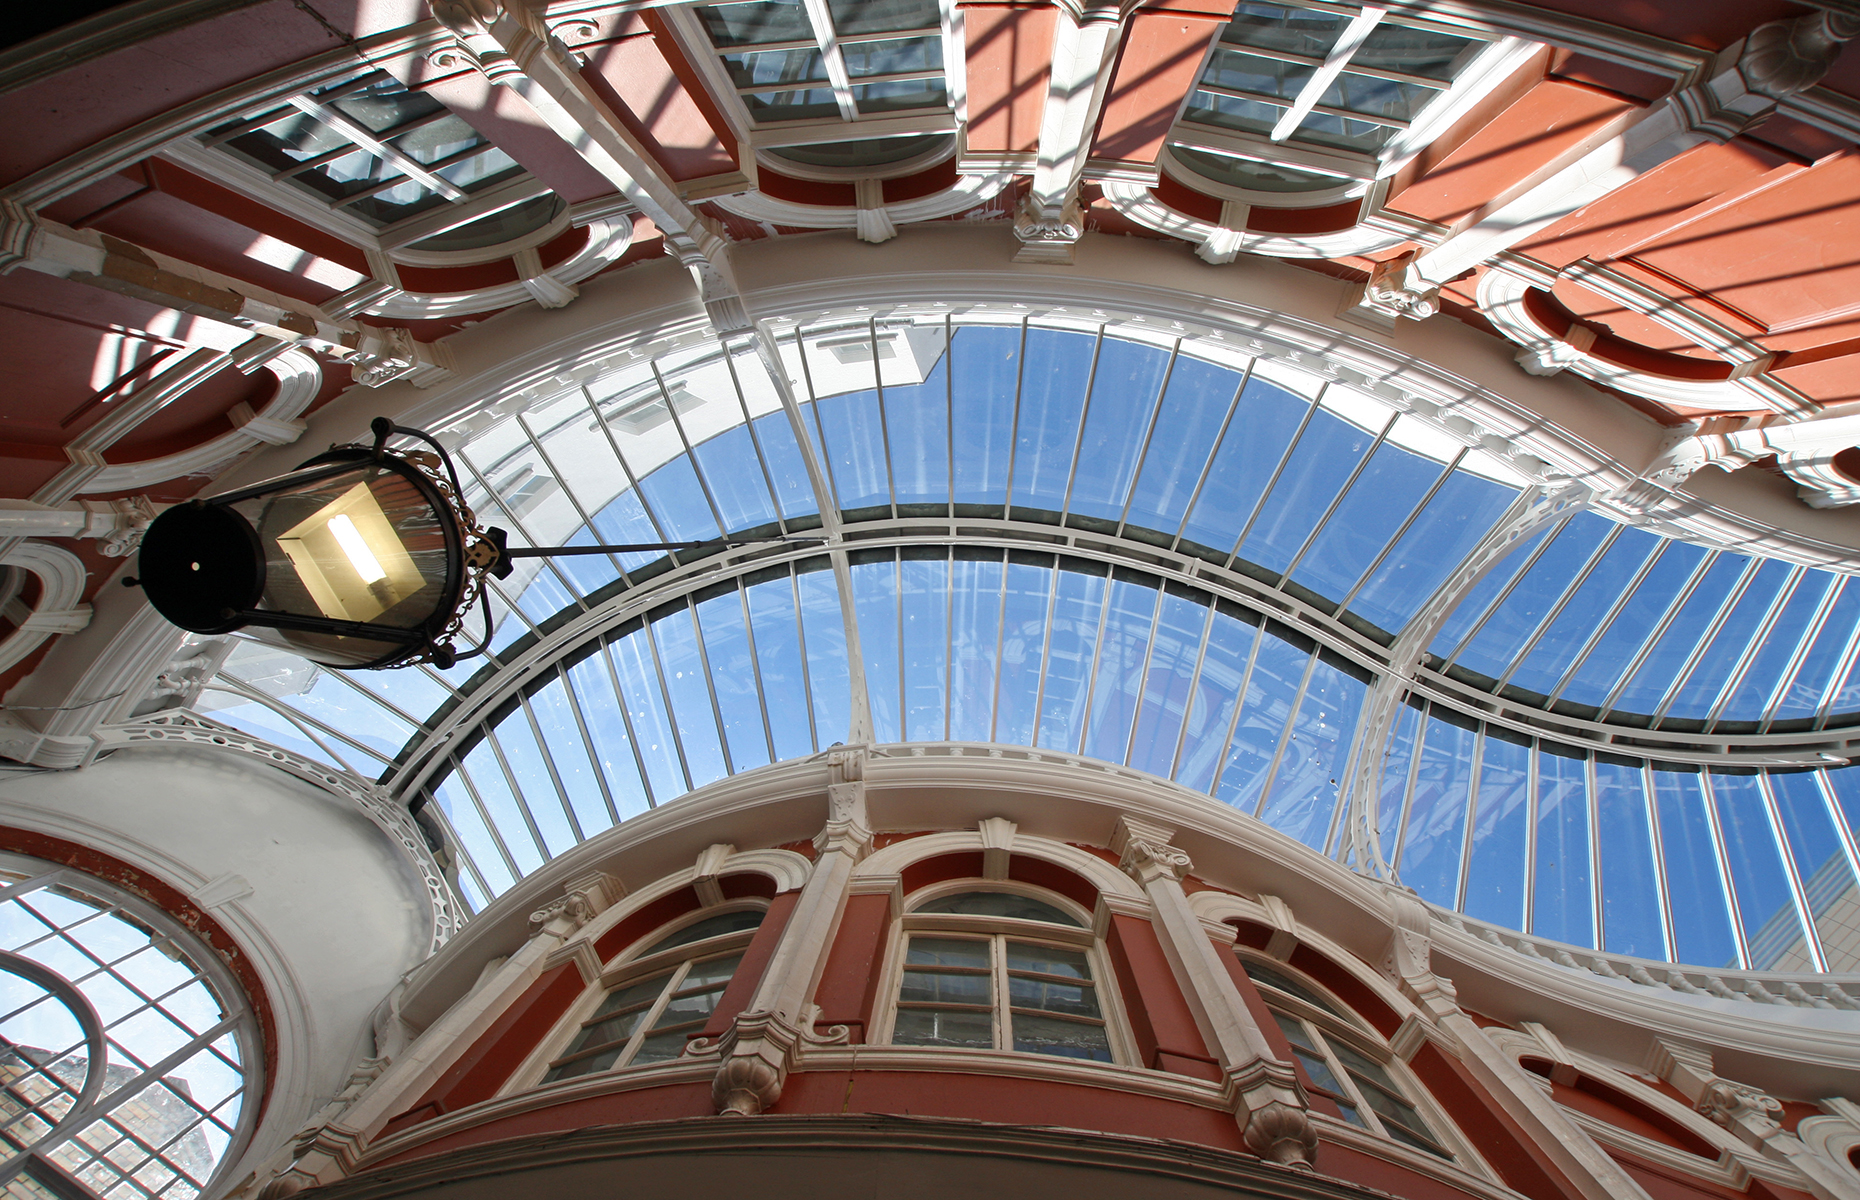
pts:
[628, 967]
[1327, 1028]
[958, 925]
[389, 244]
[1503, 57]
[760, 138]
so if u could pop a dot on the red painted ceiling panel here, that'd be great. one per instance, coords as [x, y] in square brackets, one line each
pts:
[508, 120]
[1787, 256]
[1529, 134]
[48, 120]
[1647, 207]
[1709, 24]
[659, 109]
[1008, 53]
[1159, 60]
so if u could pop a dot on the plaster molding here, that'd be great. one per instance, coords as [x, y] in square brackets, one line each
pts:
[62, 577]
[968, 192]
[894, 859]
[390, 817]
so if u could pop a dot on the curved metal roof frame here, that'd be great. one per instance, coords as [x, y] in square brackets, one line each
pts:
[1539, 452]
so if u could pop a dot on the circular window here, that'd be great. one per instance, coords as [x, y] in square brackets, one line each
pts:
[125, 1044]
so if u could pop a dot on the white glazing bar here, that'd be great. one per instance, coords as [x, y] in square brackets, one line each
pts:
[517, 526]
[581, 510]
[1595, 853]
[1755, 645]
[1724, 870]
[555, 775]
[366, 138]
[484, 815]
[884, 419]
[1362, 464]
[465, 858]
[665, 695]
[1811, 633]
[710, 689]
[949, 413]
[1849, 657]
[1706, 638]
[1850, 842]
[517, 795]
[949, 635]
[1291, 723]
[1265, 494]
[1214, 449]
[632, 483]
[697, 468]
[1474, 771]
[1534, 755]
[1143, 673]
[1149, 436]
[1652, 639]
[994, 711]
[821, 18]
[1401, 532]
[1078, 443]
[1097, 652]
[1407, 804]
[755, 666]
[587, 742]
[418, 723]
[897, 594]
[1348, 43]
[1020, 381]
[1556, 609]
[1606, 621]
[1797, 889]
[1663, 889]
[1550, 536]
[1188, 705]
[755, 439]
[807, 672]
[626, 718]
[304, 724]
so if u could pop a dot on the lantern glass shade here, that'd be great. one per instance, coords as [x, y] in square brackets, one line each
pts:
[352, 563]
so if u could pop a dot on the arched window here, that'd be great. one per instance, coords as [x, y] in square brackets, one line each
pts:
[127, 1049]
[1342, 1060]
[659, 999]
[993, 969]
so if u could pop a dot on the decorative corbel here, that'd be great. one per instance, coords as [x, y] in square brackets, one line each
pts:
[582, 900]
[846, 829]
[1409, 960]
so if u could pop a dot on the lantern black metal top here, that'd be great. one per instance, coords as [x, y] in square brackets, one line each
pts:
[362, 557]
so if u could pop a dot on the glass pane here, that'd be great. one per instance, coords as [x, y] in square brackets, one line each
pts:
[1820, 863]
[1000, 904]
[1497, 870]
[1319, 467]
[1194, 406]
[975, 636]
[1263, 427]
[1375, 96]
[1302, 801]
[776, 66]
[941, 987]
[1072, 641]
[733, 678]
[1279, 27]
[1392, 485]
[709, 927]
[875, 596]
[1074, 999]
[923, 610]
[1168, 683]
[928, 1027]
[1279, 668]
[852, 17]
[1261, 973]
[984, 373]
[1585, 608]
[1216, 696]
[1563, 900]
[758, 21]
[1261, 76]
[947, 952]
[1412, 51]
[1124, 394]
[675, 638]
[1052, 400]
[1701, 919]
[893, 56]
[1117, 683]
[1760, 882]
[1067, 1039]
[1611, 655]
[1630, 889]
[1430, 854]
[1047, 960]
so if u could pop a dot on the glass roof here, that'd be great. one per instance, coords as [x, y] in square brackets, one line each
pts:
[1037, 430]
[1603, 621]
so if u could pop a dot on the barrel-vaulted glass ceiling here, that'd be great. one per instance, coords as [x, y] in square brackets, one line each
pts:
[1018, 499]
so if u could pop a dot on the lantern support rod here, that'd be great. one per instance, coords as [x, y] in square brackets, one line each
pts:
[634, 547]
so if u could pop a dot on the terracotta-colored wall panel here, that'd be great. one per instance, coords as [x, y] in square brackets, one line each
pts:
[1530, 133]
[1609, 1104]
[1518, 1160]
[1347, 1163]
[1829, 381]
[670, 1103]
[1157, 63]
[742, 986]
[483, 1067]
[979, 1097]
[1008, 53]
[168, 225]
[1625, 323]
[1785, 256]
[847, 984]
[1657, 200]
[659, 109]
[1711, 24]
[637, 925]
[1165, 1030]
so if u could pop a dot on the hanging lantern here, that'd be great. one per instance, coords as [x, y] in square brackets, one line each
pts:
[362, 557]
[358, 558]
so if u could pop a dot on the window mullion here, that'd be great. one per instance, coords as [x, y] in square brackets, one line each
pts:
[821, 18]
[1004, 1019]
[364, 137]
